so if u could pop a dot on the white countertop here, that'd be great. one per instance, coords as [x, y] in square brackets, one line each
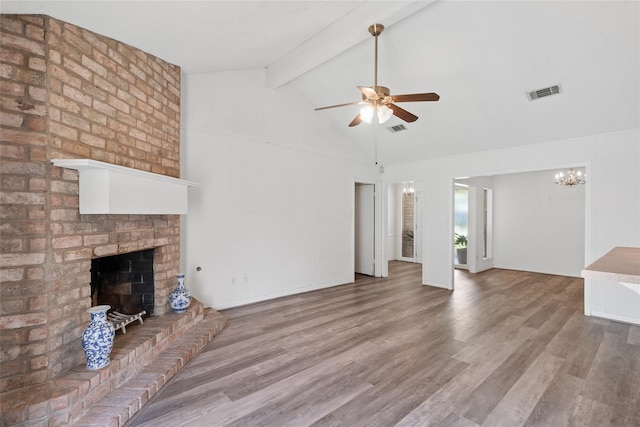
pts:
[620, 264]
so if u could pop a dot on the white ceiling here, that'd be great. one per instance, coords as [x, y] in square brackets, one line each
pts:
[480, 56]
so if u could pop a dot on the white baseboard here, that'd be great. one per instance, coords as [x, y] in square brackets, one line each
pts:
[266, 297]
[617, 318]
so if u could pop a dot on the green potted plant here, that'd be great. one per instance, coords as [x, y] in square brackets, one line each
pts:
[407, 244]
[409, 236]
[460, 241]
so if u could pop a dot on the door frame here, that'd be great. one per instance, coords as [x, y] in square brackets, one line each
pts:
[378, 235]
[417, 227]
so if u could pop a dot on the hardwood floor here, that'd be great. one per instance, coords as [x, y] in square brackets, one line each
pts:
[506, 348]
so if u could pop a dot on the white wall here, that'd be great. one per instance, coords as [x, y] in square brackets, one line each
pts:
[540, 226]
[612, 193]
[614, 300]
[274, 211]
[276, 196]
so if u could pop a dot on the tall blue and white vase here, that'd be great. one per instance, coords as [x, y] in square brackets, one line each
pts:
[97, 338]
[180, 299]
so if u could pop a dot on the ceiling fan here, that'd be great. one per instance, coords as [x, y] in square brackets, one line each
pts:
[378, 99]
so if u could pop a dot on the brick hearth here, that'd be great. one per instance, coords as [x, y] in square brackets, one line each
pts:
[142, 361]
[70, 93]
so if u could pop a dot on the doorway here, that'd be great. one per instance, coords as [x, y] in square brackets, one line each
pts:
[523, 221]
[404, 222]
[460, 224]
[409, 215]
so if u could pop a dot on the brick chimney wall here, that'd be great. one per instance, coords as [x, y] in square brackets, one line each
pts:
[70, 93]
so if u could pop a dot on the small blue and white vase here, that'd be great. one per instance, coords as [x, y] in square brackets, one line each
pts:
[97, 338]
[180, 299]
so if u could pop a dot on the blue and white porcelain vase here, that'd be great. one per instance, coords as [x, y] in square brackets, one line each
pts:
[97, 338]
[180, 299]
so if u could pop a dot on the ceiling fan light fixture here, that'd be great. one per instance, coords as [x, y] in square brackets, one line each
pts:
[384, 113]
[379, 98]
[366, 113]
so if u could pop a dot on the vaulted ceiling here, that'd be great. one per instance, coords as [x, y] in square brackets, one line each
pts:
[481, 57]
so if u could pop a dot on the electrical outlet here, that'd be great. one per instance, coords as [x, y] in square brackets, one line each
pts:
[245, 278]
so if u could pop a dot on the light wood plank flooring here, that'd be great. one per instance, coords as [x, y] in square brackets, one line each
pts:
[506, 348]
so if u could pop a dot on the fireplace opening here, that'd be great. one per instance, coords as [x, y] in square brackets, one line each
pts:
[125, 282]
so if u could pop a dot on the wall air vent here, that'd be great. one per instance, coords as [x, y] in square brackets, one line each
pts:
[397, 128]
[541, 93]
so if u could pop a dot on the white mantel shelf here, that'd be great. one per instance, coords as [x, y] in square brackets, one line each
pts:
[111, 189]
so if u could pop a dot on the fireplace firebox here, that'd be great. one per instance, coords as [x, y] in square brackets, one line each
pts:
[125, 282]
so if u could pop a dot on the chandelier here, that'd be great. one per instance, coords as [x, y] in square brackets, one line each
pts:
[408, 192]
[571, 179]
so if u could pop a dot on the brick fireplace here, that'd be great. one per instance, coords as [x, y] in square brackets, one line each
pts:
[71, 93]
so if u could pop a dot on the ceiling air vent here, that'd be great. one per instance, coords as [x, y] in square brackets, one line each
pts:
[397, 128]
[541, 93]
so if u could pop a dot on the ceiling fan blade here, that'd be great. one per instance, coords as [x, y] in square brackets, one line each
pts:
[356, 121]
[369, 92]
[415, 97]
[402, 114]
[338, 105]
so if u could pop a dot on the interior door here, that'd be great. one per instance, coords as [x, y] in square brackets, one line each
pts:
[365, 229]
